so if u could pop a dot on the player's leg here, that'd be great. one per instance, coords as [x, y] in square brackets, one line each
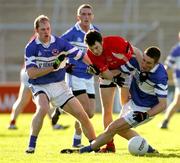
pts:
[84, 91]
[107, 95]
[124, 98]
[116, 126]
[172, 108]
[92, 105]
[126, 113]
[74, 107]
[120, 126]
[23, 99]
[124, 95]
[82, 96]
[56, 126]
[88, 103]
[42, 106]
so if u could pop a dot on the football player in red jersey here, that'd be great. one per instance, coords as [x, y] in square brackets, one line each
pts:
[107, 54]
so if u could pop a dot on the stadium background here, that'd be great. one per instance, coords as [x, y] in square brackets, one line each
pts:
[143, 22]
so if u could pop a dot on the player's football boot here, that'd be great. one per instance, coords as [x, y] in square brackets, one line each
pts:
[69, 151]
[30, 150]
[12, 127]
[110, 148]
[55, 116]
[164, 124]
[151, 150]
[60, 127]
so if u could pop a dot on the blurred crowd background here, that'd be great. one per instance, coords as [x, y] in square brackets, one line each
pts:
[143, 22]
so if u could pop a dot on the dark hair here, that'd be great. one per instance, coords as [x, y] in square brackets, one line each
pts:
[153, 52]
[91, 37]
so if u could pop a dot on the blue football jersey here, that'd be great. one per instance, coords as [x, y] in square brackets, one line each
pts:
[173, 61]
[146, 93]
[75, 36]
[42, 55]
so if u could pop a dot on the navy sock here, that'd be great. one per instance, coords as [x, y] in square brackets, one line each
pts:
[96, 150]
[86, 149]
[32, 142]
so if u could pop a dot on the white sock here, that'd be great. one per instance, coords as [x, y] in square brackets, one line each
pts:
[77, 136]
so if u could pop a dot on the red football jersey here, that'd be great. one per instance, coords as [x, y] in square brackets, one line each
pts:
[116, 52]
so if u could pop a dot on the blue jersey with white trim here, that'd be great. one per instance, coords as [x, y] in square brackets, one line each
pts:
[146, 93]
[173, 61]
[41, 55]
[75, 36]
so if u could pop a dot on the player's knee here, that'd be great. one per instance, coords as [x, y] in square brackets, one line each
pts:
[110, 130]
[42, 111]
[90, 114]
[178, 101]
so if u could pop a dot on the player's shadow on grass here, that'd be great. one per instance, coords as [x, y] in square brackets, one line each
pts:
[13, 135]
[164, 155]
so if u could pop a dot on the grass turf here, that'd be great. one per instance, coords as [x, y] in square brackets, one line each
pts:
[13, 143]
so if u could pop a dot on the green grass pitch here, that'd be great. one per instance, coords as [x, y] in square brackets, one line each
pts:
[14, 143]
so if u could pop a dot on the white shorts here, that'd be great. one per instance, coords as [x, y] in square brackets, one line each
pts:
[177, 84]
[127, 113]
[58, 93]
[127, 82]
[77, 84]
[24, 77]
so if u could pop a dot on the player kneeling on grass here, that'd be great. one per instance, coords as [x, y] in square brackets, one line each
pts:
[148, 98]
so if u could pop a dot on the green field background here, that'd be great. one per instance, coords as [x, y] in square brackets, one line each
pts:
[14, 143]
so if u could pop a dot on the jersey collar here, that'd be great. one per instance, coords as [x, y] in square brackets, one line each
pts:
[78, 27]
[154, 68]
[45, 45]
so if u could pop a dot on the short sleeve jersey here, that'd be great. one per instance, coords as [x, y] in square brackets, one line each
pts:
[42, 56]
[116, 52]
[173, 61]
[75, 36]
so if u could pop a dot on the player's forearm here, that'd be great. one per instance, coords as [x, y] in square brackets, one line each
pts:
[161, 106]
[86, 59]
[34, 72]
[138, 54]
[107, 75]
